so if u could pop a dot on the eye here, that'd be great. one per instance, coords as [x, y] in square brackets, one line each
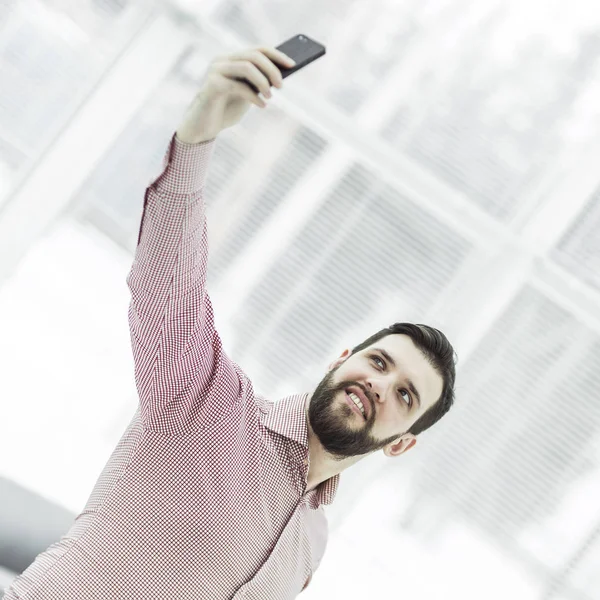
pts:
[374, 357]
[409, 402]
[379, 359]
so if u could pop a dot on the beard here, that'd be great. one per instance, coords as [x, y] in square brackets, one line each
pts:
[340, 430]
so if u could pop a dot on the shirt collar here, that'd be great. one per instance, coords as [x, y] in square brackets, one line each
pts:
[287, 417]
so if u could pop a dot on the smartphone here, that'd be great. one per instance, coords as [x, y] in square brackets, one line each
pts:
[300, 48]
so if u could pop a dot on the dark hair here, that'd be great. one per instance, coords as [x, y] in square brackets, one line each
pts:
[439, 352]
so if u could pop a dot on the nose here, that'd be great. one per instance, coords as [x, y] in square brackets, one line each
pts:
[371, 395]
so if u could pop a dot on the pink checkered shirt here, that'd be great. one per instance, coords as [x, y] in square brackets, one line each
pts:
[204, 495]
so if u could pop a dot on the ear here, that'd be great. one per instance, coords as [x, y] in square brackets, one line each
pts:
[338, 361]
[405, 443]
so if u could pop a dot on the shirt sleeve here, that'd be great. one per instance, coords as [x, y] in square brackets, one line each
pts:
[307, 582]
[177, 351]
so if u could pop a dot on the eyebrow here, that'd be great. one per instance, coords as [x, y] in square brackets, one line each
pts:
[411, 385]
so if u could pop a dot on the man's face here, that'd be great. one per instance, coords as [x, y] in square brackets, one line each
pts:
[392, 406]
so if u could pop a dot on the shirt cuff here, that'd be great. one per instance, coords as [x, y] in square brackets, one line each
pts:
[185, 166]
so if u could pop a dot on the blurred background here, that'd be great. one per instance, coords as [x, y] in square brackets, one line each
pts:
[439, 165]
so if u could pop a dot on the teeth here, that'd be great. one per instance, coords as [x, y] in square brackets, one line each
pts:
[357, 401]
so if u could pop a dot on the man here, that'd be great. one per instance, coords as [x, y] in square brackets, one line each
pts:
[215, 492]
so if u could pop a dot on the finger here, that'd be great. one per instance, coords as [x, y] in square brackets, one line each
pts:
[275, 59]
[278, 56]
[249, 95]
[264, 64]
[237, 76]
[247, 70]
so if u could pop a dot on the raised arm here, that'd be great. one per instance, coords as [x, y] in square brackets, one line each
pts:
[167, 280]
[179, 361]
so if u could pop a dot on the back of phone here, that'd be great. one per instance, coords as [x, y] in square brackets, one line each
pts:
[303, 50]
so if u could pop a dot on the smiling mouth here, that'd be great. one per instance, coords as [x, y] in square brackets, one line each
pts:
[354, 406]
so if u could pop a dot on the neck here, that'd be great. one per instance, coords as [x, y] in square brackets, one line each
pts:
[321, 467]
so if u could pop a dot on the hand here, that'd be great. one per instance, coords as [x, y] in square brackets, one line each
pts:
[223, 99]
